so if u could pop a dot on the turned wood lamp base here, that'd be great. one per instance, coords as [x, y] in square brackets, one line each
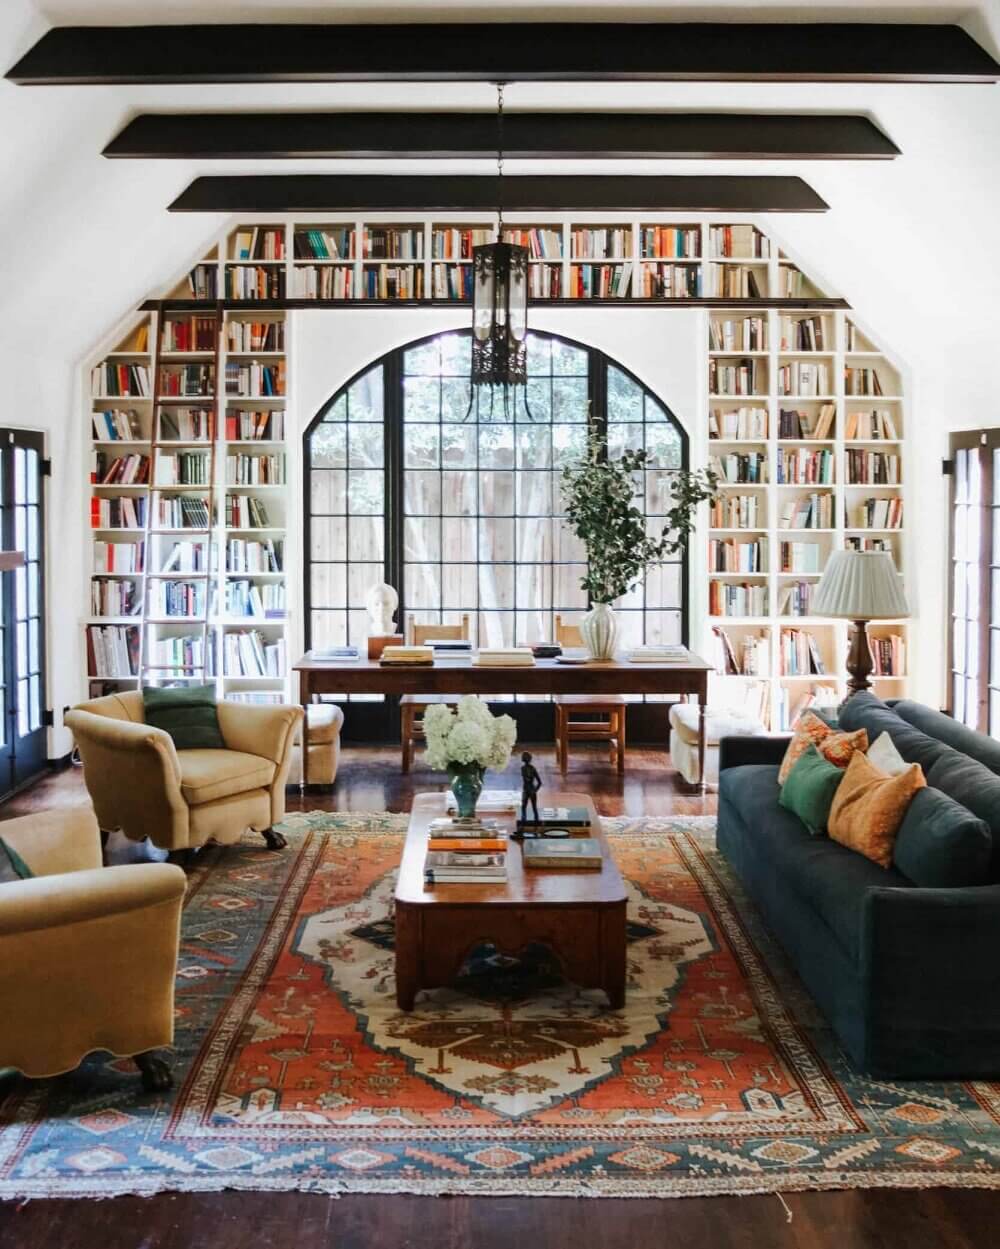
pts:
[859, 660]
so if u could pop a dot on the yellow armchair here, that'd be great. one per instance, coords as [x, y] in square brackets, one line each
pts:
[88, 954]
[181, 799]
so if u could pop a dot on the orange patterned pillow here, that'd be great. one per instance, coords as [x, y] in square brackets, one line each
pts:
[833, 746]
[869, 806]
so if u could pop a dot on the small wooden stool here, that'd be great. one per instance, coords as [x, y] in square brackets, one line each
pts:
[413, 706]
[611, 709]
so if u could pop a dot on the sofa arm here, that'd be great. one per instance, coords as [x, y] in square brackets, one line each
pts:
[264, 730]
[932, 979]
[735, 752]
[87, 962]
[55, 841]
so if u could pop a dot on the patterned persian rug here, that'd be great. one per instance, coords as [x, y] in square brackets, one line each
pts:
[295, 1070]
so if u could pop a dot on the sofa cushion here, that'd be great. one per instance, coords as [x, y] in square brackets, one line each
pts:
[810, 789]
[837, 747]
[869, 807]
[188, 713]
[207, 775]
[864, 710]
[974, 787]
[941, 844]
[719, 722]
[12, 866]
[833, 879]
[978, 746]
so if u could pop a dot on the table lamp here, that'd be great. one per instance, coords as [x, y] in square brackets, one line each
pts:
[860, 586]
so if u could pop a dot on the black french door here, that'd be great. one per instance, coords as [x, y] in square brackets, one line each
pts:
[24, 746]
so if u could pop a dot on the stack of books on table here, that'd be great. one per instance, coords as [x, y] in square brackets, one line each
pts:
[581, 852]
[570, 821]
[658, 654]
[466, 852]
[504, 657]
[407, 655]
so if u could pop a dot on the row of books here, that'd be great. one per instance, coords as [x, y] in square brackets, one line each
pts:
[791, 703]
[545, 282]
[799, 654]
[872, 468]
[610, 243]
[804, 378]
[747, 467]
[799, 557]
[804, 466]
[119, 379]
[112, 650]
[871, 426]
[888, 655]
[876, 514]
[740, 241]
[186, 424]
[120, 470]
[247, 598]
[118, 425]
[115, 598]
[258, 380]
[329, 282]
[186, 380]
[731, 555]
[745, 377]
[332, 243]
[744, 334]
[861, 381]
[248, 653]
[796, 599]
[791, 283]
[186, 556]
[188, 654]
[458, 244]
[600, 281]
[260, 243]
[265, 556]
[811, 511]
[255, 282]
[737, 511]
[183, 468]
[735, 282]
[245, 426]
[803, 334]
[189, 334]
[244, 336]
[182, 511]
[541, 244]
[255, 470]
[124, 513]
[854, 542]
[254, 697]
[728, 598]
[742, 424]
[394, 243]
[750, 657]
[392, 282]
[809, 425]
[670, 241]
[243, 511]
[177, 598]
[119, 557]
[203, 282]
[667, 281]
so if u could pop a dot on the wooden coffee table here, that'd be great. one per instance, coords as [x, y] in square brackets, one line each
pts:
[579, 915]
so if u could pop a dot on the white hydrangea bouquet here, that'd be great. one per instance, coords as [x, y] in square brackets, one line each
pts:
[464, 743]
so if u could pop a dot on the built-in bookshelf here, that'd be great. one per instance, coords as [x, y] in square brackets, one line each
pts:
[806, 434]
[189, 499]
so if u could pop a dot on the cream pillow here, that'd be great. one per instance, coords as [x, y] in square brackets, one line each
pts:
[882, 754]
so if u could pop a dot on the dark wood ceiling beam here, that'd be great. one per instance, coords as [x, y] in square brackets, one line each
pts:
[513, 51]
[527, 136]
[477, 193]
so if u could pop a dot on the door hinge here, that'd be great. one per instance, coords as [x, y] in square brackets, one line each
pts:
[947, 467]
[48, 718]
[46, 468]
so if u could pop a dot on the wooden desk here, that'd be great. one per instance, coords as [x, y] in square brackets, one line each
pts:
[579, 915]
[458, 675]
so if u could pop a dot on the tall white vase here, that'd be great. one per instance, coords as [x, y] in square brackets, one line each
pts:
[599, 630]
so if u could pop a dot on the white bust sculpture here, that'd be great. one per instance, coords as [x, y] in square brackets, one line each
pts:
[381, 602]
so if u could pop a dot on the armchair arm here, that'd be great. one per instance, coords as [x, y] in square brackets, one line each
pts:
[87, 961]
[263, 730]
[133, 777]
[55, 841]
[734, 752]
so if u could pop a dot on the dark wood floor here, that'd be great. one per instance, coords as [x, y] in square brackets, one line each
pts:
[370, 780]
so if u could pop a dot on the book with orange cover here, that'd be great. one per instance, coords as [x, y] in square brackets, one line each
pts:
[468, 845]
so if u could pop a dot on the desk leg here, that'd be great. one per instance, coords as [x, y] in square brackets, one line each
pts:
[305, 697]
[702, 700]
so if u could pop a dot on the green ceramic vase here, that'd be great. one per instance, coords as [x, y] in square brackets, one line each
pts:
[466, 785]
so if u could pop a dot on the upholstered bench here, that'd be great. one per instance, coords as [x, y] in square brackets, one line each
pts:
[719, 722]
[325, 721]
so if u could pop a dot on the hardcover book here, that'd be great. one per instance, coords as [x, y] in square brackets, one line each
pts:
[574, 853]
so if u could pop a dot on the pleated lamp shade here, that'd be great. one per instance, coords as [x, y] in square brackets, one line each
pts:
[860, 585]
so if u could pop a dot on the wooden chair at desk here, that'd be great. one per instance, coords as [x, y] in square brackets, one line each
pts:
[611, 708]
[413, 706]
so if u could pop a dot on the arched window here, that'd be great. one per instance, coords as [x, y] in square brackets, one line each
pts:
[463, 515]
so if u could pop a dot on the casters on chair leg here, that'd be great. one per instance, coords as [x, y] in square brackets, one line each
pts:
[275, 840]
[156, 1075]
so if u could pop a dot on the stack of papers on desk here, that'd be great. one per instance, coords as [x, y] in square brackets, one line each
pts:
[504, 657]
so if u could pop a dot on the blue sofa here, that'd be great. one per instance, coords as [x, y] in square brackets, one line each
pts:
[907, 972]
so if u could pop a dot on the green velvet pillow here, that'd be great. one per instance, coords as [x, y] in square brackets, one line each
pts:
[188, 713]
[12, 866]
[809, 789]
